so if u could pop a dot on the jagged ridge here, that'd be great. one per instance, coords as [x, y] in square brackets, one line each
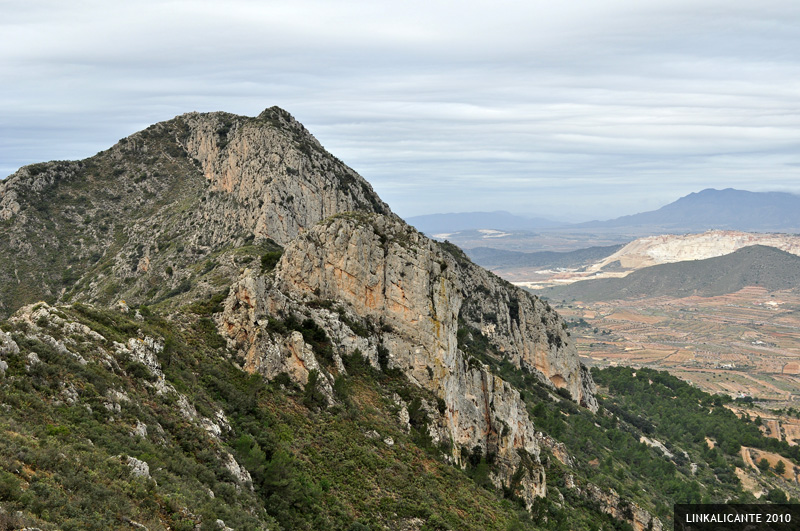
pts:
[146, 212]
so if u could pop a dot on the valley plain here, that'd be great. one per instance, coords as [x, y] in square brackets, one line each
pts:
[718, 309]
[742, 344]
[745, 345]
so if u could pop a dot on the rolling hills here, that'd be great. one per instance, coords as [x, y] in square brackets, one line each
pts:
[755, 265]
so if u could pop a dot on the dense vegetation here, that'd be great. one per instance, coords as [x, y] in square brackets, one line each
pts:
[683, 413]
[608, 447]
[73, 417]
[69, 426]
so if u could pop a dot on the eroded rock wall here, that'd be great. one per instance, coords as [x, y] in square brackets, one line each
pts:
[280, 179]
[388, 271]
[525, 330]
[414, 296]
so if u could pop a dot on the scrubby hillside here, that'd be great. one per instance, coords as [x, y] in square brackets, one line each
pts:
[117, 418]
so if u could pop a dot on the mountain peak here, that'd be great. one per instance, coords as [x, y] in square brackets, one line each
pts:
[708, 209]
[165, 199]
[301, 266]
[276, 112]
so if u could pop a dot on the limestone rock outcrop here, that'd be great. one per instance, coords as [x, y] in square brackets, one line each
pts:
[413, 296]
[386, 270]
[280, 178]
[611, 503]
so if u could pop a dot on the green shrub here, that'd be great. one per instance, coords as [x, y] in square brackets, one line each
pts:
[312, 396]
[136, 370]
[209, 333]
[9, 487]
[270, 260]
[777, 496]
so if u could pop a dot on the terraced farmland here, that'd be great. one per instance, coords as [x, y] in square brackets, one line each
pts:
[743, 344]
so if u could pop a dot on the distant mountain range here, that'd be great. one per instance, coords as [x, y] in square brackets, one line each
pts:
[757, 265]
[716, 209]
[708, 209]
[498, 220]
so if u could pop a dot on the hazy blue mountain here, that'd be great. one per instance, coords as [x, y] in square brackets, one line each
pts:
[716, 209]
[498, 220]
[727, 209]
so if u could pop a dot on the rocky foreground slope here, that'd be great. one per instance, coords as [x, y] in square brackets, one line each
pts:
[204, 205]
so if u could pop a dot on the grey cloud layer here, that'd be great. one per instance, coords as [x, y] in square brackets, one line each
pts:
[588, 109]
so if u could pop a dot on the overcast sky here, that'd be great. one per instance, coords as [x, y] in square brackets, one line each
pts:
[571, 110]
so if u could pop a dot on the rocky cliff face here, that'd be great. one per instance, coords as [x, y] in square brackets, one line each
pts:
[388, 271]
[189, 206]
[410, 298]
[280, 178]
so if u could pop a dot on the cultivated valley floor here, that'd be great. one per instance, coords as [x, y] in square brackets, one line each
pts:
[743, 344]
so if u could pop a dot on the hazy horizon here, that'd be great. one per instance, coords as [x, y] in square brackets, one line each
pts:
[579, 112]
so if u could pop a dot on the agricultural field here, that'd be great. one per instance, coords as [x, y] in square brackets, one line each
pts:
[745, 344]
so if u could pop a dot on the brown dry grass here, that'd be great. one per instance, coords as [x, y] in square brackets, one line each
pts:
[791, 430]
[749, 483]
[752, 456]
